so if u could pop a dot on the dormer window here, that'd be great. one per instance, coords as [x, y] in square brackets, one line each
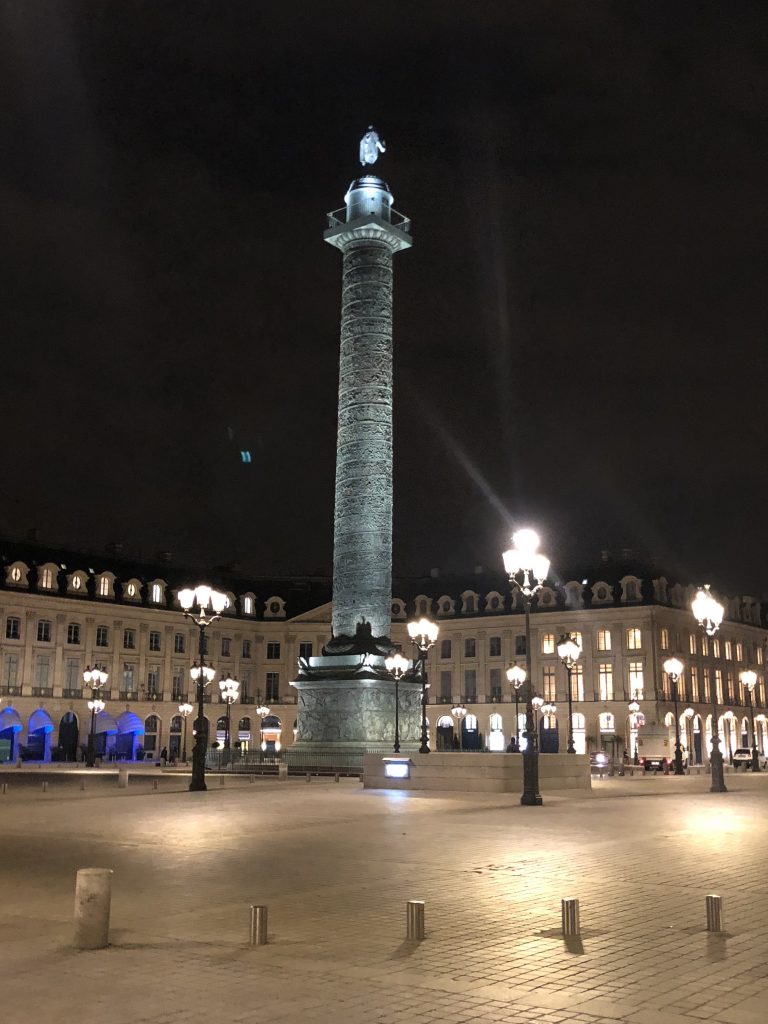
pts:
[247, 604]
[46, 578]
[77, 582]
[157, 593]
[103, 587]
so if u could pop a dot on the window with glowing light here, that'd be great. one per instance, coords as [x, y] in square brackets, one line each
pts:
[758, 654]
[607, 722]
[603, 639]
[693, 676]
[636, 680]
[577, 682]
[634, 639]
[247, 605]
[46, 579]
[664, 639]
[104, 586]
[728, 650]
[715, 647]
[548, 643]
[157, 593]
[549, 683]
[719, 685]
[605, 680]
[691, 643]
[739, 651]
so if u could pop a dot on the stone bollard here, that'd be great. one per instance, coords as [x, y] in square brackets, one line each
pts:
[93, 894]
[122, 778]
[414, 920]
[5, 788]
[569, 910]
[45, 787]
[714, 913]
[309, 777]
[258, 932]
[221, 780]
[282, 772]
[82, 785]
[154, 784]
[251, 778]
[336, 777]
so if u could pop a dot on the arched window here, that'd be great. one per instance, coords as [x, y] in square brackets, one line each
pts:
[221, 723]
[176, 725]
[151, 730]
[244, 725]
[607, 722]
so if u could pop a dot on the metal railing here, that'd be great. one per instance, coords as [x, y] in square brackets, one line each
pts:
[10, 691]
[42, 691]
[71, 693]
[338, 219]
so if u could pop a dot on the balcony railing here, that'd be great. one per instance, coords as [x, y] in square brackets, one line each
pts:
[338, 218]
[129, 695]
[10, 691]
[42, 691]
[71, 693]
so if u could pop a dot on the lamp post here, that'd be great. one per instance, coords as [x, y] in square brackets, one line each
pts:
[95, 678]
[516, 676]
[569, 652]
[262, 711]
[527, 571]
[185, 710]
[230, 691]
[674, 669]
[397, 666]
[459, 713]
[749, 679]
[203, 605]
[709, 614]
[424, 635]
[638, 720]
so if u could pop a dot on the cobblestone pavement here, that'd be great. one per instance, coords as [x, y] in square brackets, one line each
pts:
[336, 865]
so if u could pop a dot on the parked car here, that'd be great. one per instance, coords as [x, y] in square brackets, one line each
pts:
[743, 756]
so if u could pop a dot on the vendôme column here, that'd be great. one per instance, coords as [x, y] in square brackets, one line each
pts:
[346, 697]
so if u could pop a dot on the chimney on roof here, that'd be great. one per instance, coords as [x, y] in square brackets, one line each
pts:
[434, 573]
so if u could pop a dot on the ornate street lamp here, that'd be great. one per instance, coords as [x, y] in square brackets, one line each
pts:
[517, 676]
[638, 720]
[709, 614]
[424, 635]
[230, 691]
[203, 605]
[749, 679]
[674, 669]
[527, 570]
[95, 678]
[262, 711]
[397, 666]
[185, 710]
[459, 713]
[569, 652]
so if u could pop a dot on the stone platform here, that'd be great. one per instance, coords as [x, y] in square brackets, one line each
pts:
[479, 773]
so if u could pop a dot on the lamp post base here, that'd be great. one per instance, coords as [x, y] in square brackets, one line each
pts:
[718, 779]
[679, 761]
[755, 760]
[530, 795]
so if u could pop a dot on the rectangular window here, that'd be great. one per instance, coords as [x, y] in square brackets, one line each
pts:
[273, 686]
[739, 652]
[73, 633]
[245, 688]
[715, 647]
[548, 643]
[470, 647]
[694, 682]
[728, 650]
[72, 676]
[520, 646]
[664, 639]
[129, 639]
[634, 639]
[247, 648]
[706, 688]
[494, 647]
[154, 640]
[719, 685]
[42, 671]
[226, 646]
[549, 683]
[730, 693]
[470, 684]
[43, 630]
[153, 681]
[247, 605]
[605, 681]
[603, 639]
[273, 652]
[445, 687]
[636, 680]
[305, 649]
[179, 643]
[691, 643]
[758, 654]
[128, 676]
[102, 636]
[177, 684]
[577, 683]
[12, 628]
[494, 678]
[705, 646]
[445, 649]
[10, 669]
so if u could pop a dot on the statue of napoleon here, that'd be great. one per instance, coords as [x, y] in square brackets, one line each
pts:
[370, 146]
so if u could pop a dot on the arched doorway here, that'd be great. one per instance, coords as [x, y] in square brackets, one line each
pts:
[10, 727]
[39, 730]
[745, 741]
[152, 734]
[445, 733]
[243, 741]
[69, 730]
[471, 737]
[609, 741]
[549, 739]
[174, 738]
[496, 733]
[104, 735]
[579, 733]
[697, 735]
[271, 730]
[130, 737]
[221, 731]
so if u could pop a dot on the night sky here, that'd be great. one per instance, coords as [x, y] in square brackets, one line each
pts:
[579, 327]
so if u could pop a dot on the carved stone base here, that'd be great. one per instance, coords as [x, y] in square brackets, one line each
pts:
[347, 703]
